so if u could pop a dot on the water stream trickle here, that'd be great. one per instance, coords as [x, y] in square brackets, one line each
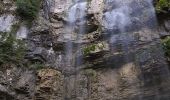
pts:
[76, 18]
[124, 16]
[76, 14]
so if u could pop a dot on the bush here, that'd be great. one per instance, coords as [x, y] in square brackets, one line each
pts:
[28, 9]
[1, 7]
[162, 6]
[89, 49]
[166, 46]
[11, 49]
[36, 65]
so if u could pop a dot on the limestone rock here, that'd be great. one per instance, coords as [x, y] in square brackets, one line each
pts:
[49, 84]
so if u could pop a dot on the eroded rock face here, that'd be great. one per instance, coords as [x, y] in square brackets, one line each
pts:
[16, 83]
[114, 65]
[49, 85]
[128, 74]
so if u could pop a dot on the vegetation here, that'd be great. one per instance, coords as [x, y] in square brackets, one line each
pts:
[1, 7]
[28, 9]
[162, 6]
[89, 49]
[94, 48]
[11, 49]
[36, 65]
[92, 75]
[166, 46]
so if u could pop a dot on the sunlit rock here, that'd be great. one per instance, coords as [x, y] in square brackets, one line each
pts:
[49, 81]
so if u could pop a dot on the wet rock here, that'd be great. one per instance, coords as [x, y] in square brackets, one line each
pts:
[40, 26]
[92, 37]
[167, 25]
[96, 8]
[25, 85]
[5, 94]
[18, 84]
[38, 55]
[146, 35]
[128, 66]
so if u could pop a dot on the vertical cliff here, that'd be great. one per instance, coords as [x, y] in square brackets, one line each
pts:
[85, 50]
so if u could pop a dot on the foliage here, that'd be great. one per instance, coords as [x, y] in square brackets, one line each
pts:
[166, 46]
[89, 49]
[36, 65]
[91, 74]
[162, 5]
[11, 49]
[94, 48]
[1, 7]
[28, 9]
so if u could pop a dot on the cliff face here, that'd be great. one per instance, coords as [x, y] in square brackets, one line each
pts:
[112, 52]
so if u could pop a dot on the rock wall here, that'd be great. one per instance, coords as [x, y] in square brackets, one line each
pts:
[106, 73]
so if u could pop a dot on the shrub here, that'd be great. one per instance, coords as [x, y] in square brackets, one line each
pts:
[28, 9]
[162, 5]
[89, 49]
[36, 65]
[166, 46]
[1, 7]
[11, 49]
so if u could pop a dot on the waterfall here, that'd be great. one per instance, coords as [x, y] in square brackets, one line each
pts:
[76, 18]
[76, 15]
[122, 16]
[120, 20]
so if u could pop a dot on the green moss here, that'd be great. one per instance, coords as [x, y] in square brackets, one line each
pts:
[36, 65]
[15, 28]
[91, 74]
[162, 5]
[94, 48]
[11, 49]
[89, 49]
[166, 45]
[28, 9]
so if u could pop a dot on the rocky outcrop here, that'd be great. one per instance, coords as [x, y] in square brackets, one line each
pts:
[106, 63]
[49, 85]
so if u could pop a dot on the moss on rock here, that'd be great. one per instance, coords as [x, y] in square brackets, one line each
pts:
[28, 9]
[95, 48]
[162, 6]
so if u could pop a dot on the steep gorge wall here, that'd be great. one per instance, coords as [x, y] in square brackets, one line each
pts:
[104, 73]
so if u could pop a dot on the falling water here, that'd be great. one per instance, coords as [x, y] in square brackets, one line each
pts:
[76, 15]
[121, 15]
[124, 16]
